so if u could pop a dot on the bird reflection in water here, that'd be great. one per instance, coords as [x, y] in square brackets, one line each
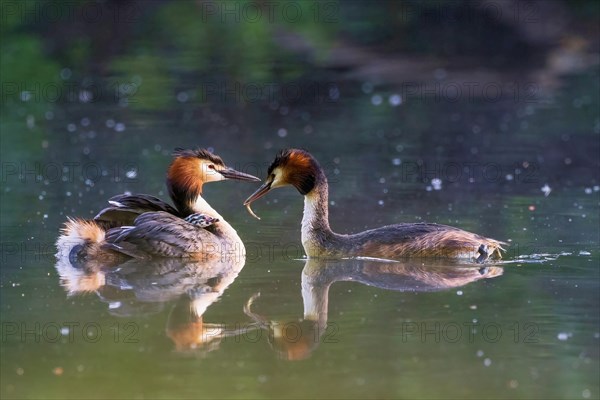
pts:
[296, 340]
[137, 288]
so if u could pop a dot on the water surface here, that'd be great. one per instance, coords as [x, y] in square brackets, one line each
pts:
[521, 168]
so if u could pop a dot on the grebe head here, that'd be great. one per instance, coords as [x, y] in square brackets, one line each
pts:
[291, 167]
[202, 166]
[191, 169]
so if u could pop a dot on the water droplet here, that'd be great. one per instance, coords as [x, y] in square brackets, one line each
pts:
[395, 100]
[334, 93]
[376, 100]
[440, 74]
[546, 190]
[30, 121]
[182, 97]
[65, 73]
[367, 87]
[85, 96]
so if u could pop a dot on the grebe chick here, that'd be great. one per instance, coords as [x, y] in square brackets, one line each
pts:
[201, 220]
[299, 168]
[142, 226]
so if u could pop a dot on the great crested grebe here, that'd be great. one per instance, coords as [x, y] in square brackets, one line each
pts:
[298, 168]
[142, 226]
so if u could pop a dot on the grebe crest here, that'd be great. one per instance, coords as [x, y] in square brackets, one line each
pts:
[190, 170]
[294, 167]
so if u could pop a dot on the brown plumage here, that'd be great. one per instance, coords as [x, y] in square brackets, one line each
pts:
[124, 209]
[300, 169]
[142, 226]
[186, 175]
[165, 235]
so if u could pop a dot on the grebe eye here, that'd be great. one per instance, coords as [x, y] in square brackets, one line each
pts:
[211, 166]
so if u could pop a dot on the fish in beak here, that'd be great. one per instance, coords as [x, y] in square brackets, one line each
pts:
[260, 192]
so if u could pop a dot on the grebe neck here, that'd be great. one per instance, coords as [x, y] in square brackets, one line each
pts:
[317, 236]
[222, 228]
[200, 206]
[187, 199]
[316, 208]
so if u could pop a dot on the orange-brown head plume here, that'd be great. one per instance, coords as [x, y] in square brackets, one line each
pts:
[298, 168]
[187, 173]
[291, 167]
[191, 169]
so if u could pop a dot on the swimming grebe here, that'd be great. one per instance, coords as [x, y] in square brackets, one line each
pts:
[298, 168]
[143, 226]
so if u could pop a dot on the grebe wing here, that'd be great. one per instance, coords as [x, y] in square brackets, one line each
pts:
[442, 233]
[422, 239]
[125, 208]
[161, 234]
[391, 234]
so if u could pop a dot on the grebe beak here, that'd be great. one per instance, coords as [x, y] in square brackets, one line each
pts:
[260, 192]
[230, 173]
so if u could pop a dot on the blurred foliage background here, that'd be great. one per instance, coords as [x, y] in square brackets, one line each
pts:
[153, 50]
